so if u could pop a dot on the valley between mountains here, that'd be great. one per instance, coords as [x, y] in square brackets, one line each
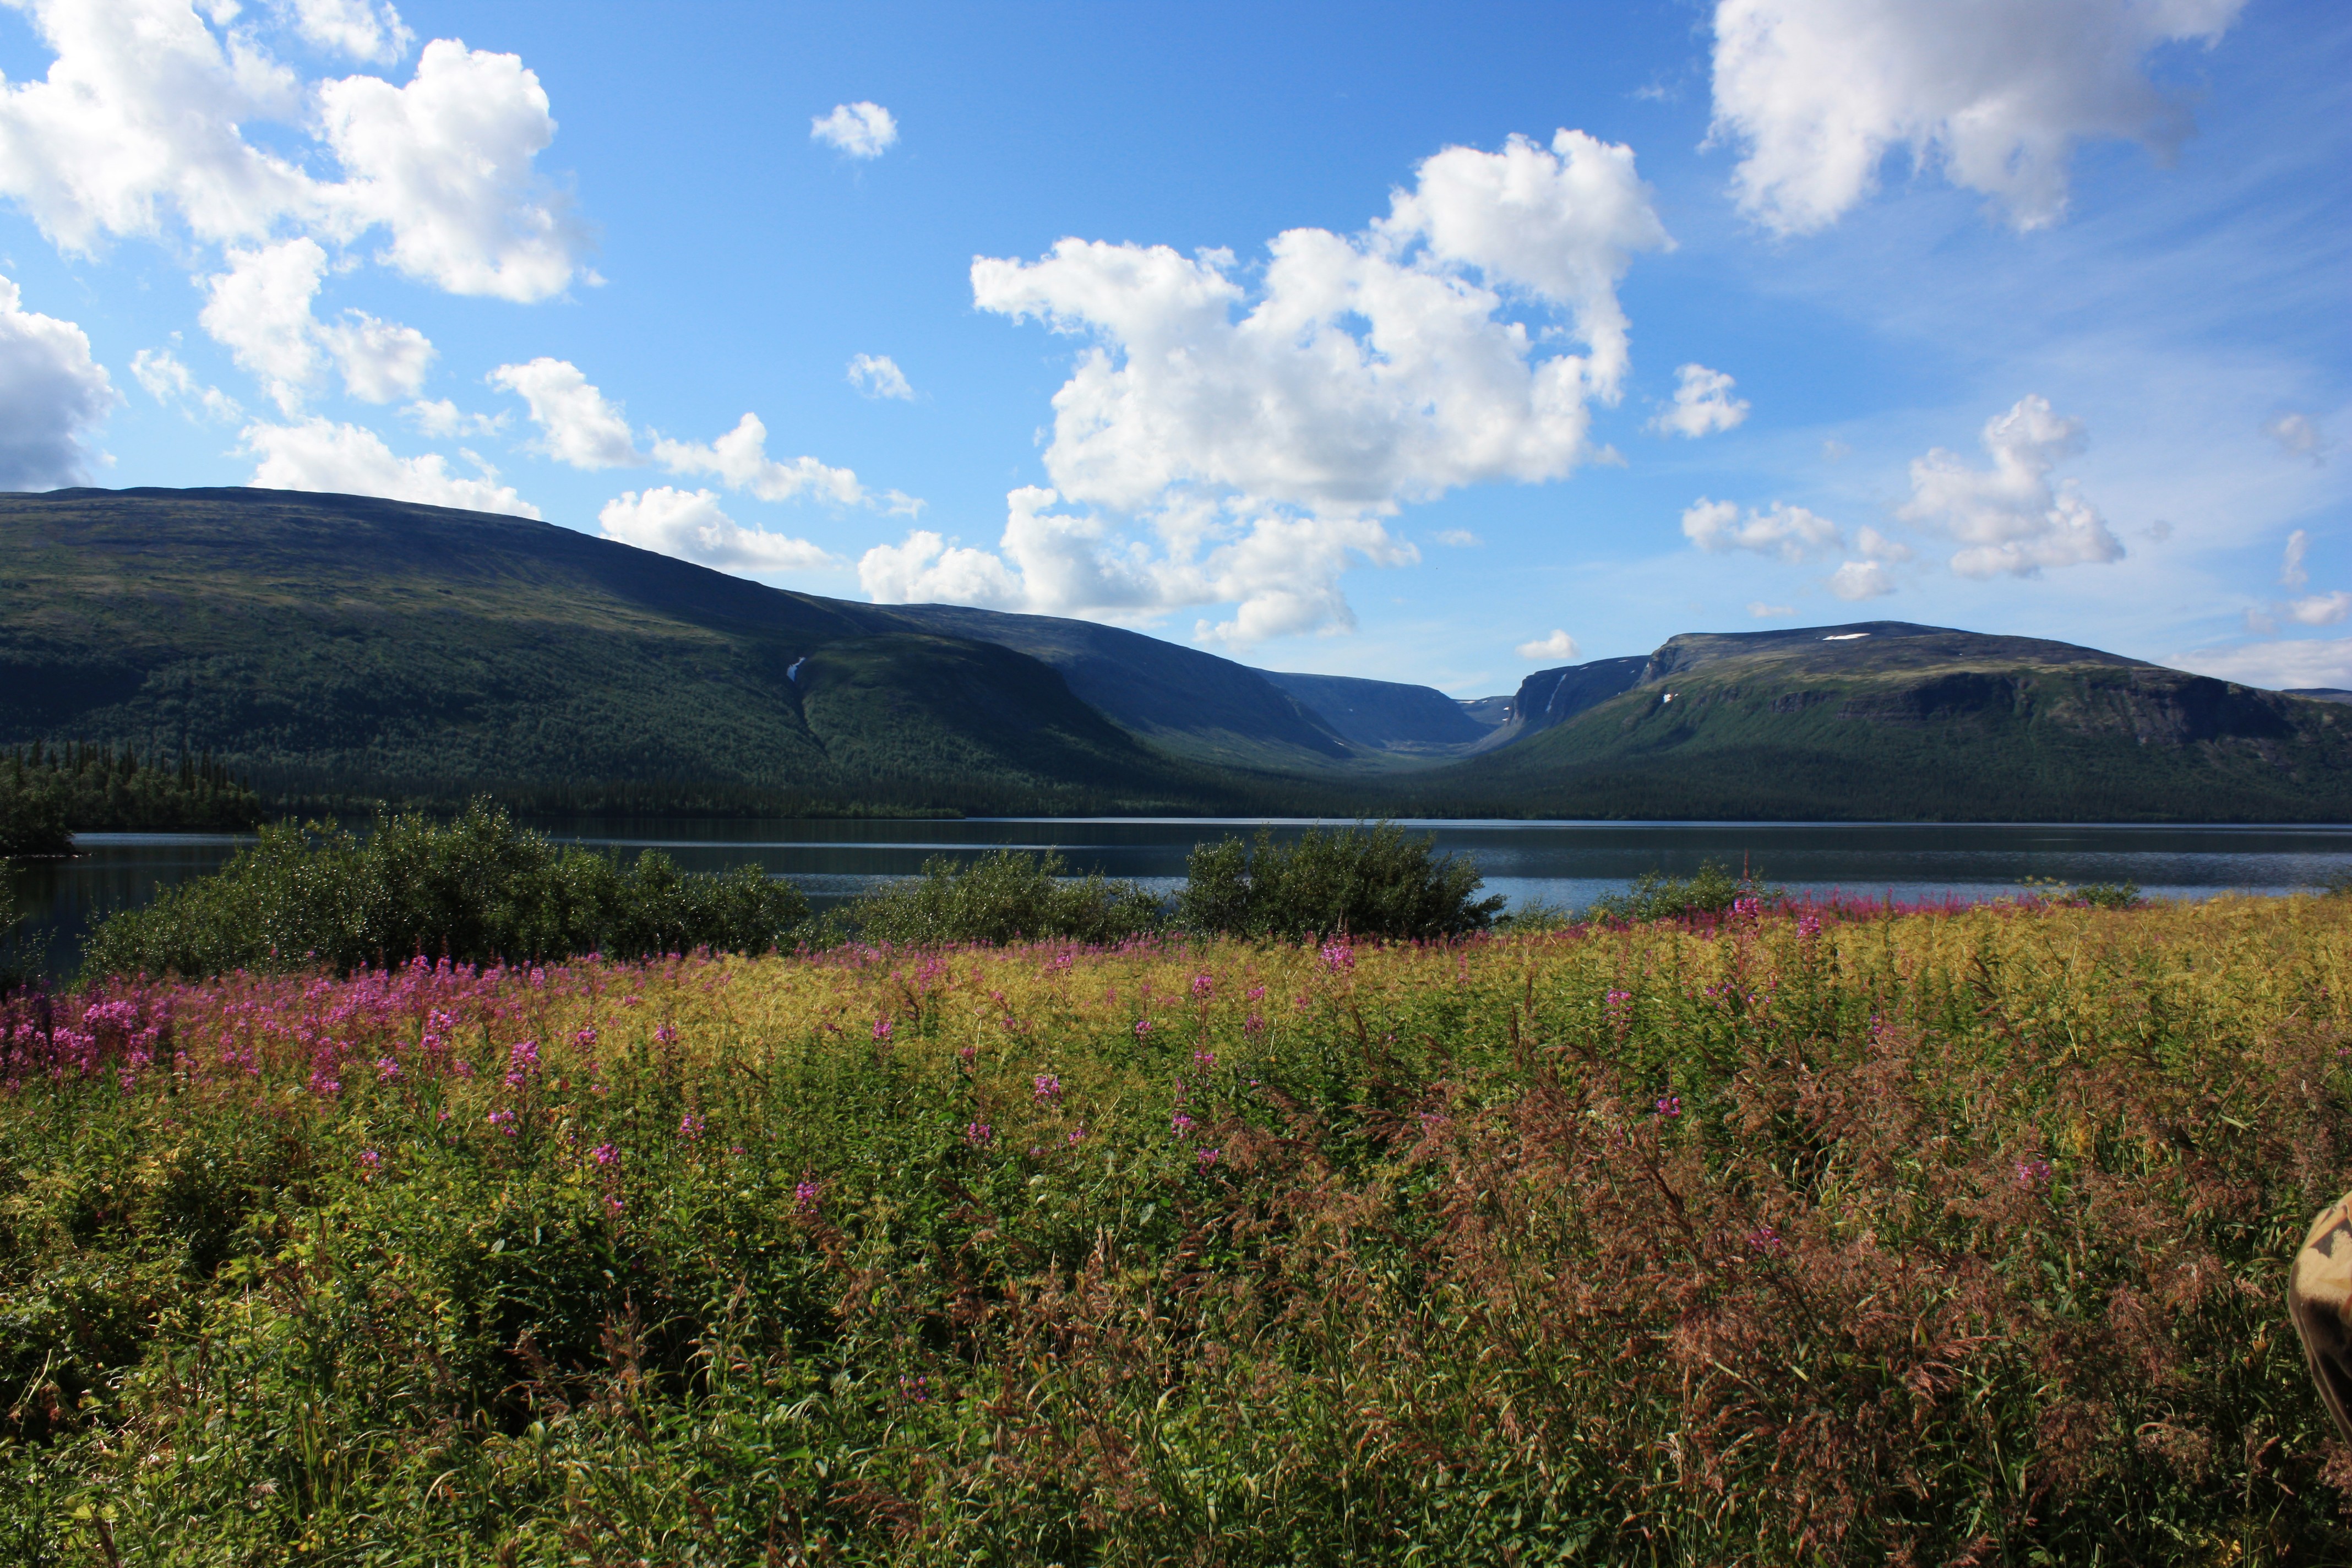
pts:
[338, 650]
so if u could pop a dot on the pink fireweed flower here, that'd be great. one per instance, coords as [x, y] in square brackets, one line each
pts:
[1142, 1026]
[979, 1134]
[1203, 985]
[1670, 1105]
[387, 1070]
[689, 1126]
[1077, 1135]
[1337, 956]
[881, 1029]
[1049, 1087]
[1808, 926]
[1253, 1024]
[1204, 1060]
[370, 1161]
[614, 1205]
[584, 1038]
[2034, 1175]
[604, 1153]
[324, 1084]
[807, 1197]
[1207, 1157]
[504, 1121]
[1765, 1239]
[1181, 1125]
[461, 1068]
[667, 1034]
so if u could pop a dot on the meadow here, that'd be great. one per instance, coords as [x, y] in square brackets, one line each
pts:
[1793, 1235]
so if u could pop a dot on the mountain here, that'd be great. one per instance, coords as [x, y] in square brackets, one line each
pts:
[1385, 715]
[1887, 720]
[339, 647]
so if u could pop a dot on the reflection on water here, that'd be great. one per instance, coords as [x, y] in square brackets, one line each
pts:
[1560, 863]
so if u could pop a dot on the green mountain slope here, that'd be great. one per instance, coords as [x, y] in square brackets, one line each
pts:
[1883, 719]
[342, 646]
[1385, 715]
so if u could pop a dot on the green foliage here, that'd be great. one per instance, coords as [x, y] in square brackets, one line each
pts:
[48, 792]
[1655, 896]
[1004, 895]
[1917, 1239]
[2109, 895]
[477, 890]
[1360, 882]
[32, 816]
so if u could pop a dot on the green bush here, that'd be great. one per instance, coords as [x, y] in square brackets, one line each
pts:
[1655, 896]
[1003, 896]
[32, 815]
[1361, 881]
[2109, 895]
[477, 890]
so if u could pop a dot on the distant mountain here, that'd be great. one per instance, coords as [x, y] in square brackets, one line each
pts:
[339, 649]
[1887, 720]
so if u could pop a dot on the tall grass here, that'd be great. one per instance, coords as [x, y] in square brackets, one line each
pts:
[1758, 1237]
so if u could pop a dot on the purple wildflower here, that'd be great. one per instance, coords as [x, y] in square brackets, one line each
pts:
[604, 1153]
[1670, 1105]
[689, 1126]
[979, 1134]
[881, 1029]
[1049, 1087]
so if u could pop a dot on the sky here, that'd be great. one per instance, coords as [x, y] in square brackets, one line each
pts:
[1434, 344]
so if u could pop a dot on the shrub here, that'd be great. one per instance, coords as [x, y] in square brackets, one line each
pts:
[2109, 895]
[1655, 896]
[477, 890]
[1364, 881]
[1004, 895]
[32, 815]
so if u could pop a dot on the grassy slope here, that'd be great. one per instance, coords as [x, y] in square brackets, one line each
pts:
[1917, 1239]
[1940, 725]
[332, 643]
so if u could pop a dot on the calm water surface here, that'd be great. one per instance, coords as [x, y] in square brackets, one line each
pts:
[1562, 863]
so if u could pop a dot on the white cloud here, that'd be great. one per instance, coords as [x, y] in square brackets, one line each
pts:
[1364, 372]
[318, 454]
[259, 309]
[1281, 573]
[1862, 580]
[52, 396]
[861, 130]
[1459, 538]
[2010, 518]
[442, 418]
[878, 375]
[689, 525]
[141, 119]
[2297, 436]
[1791, 533]
[1996, 92]
[2278, 665]
[576, 424]
[1762, 611]
[2292, 573]
[1703, 403]
[740, 458]
[380, 360]
[169, 381]
[1560, 646]
[368, 32]
[446, 164]
[2319, 609]
[1835, 450]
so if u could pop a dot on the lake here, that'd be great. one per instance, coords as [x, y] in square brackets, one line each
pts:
[1560, 863]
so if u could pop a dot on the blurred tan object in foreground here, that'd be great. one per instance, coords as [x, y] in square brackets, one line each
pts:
[2319, 1300]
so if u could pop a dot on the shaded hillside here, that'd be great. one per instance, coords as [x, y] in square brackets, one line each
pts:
[1885, 720]
[337, 646]
[1385, 715]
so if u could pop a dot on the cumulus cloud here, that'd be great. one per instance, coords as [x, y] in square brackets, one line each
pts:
[1459, 538]
[1762, 611]
[364, 31]
[2010, 518]
[440, 416]
[1791, 532]
[1995, 93]
[52, 396]
[878, 375]
[1703, 403]
[576, 424]
[2297, 436]
[1862, 580]
[167, 380]
[316, 454]
[259, 309]
[861, 130]
[379, 360]
[689, 525]
[139, 123]
[2278, 665]
[740, 460]
[1278, 423]
[445, 164]
[1560, 646]
[1281, 573]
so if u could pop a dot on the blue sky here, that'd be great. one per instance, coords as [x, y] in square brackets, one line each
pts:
[2033, 313]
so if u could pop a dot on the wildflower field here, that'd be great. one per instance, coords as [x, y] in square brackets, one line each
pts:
[1808, 1235]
